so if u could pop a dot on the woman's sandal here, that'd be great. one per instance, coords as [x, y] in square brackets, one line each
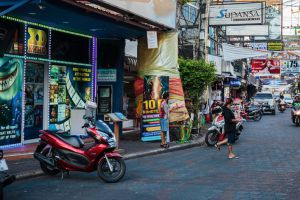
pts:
[164, 146]
[234, 157]
[218, 147]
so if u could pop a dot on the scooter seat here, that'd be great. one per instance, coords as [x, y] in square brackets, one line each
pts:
[57, 132]
[72, 140]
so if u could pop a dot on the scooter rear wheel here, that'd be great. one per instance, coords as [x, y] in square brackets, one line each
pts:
[119, 169]
[45, 168]
[211, 138]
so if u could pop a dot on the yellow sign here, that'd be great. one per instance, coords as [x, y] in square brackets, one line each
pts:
[37, 41]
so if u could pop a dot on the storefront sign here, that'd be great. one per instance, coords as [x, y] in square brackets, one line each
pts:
[37, 41]
[235, 83]
[263, 66]
[275, 46]
[237, 14]
[107, 75]
[290, 66]
[154, 88]
[259, 46]
[11, 89]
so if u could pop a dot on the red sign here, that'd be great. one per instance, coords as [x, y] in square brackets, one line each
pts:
[263, 66]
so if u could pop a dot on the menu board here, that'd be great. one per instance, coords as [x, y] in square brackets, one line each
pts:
[154, 88]
[70, 87]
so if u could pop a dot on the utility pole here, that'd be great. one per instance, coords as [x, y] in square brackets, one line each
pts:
[204, 32]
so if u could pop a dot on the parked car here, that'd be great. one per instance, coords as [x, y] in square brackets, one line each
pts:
[266, 100]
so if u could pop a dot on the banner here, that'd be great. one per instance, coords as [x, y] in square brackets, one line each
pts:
[290, 66]
[162, 61]
[11, 89]
[265, 67]
[237, 14]
[154, 88]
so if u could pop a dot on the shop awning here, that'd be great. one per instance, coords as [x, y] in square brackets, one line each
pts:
[8, 6]
[231, 52]
[66, 15]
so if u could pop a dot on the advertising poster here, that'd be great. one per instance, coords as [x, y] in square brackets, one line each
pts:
[154, 88]
[70, 87]
[265, 67]
[290, 66]
[11, 84]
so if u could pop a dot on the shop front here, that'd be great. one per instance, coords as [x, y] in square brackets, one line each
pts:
[50, 66]
[43, 77]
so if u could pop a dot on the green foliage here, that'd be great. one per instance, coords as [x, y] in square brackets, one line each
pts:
[196, 75]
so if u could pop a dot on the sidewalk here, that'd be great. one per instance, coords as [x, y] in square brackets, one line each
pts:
[21, 162]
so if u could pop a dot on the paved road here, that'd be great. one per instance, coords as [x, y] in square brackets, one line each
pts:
[268, 168]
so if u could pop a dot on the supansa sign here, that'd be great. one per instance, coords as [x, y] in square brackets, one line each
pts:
[237, 14]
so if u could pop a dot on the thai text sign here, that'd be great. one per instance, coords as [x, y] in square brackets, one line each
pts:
[275, 46]
[237, 14]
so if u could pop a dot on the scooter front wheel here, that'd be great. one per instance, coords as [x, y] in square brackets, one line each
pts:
[118, 169]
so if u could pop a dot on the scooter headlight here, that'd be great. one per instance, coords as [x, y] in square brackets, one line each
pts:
[297, 112]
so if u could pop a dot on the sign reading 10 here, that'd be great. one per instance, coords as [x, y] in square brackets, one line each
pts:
[152, 104]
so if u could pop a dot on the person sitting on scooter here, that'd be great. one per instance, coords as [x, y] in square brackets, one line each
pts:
[230, 128]
[281, 101]
[295, 104]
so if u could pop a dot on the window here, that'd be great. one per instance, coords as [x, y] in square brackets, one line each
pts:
[189, 13]
[69, 47]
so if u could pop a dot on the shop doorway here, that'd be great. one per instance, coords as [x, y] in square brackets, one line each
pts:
[36, 85]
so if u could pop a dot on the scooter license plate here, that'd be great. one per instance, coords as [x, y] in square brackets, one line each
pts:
[3, 165]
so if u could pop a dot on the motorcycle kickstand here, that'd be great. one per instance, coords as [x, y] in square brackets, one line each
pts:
[62, 174]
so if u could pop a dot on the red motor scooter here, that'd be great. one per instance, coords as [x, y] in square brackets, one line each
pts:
[60, 152]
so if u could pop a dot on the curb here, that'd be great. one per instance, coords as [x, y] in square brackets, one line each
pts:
[198, 142]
